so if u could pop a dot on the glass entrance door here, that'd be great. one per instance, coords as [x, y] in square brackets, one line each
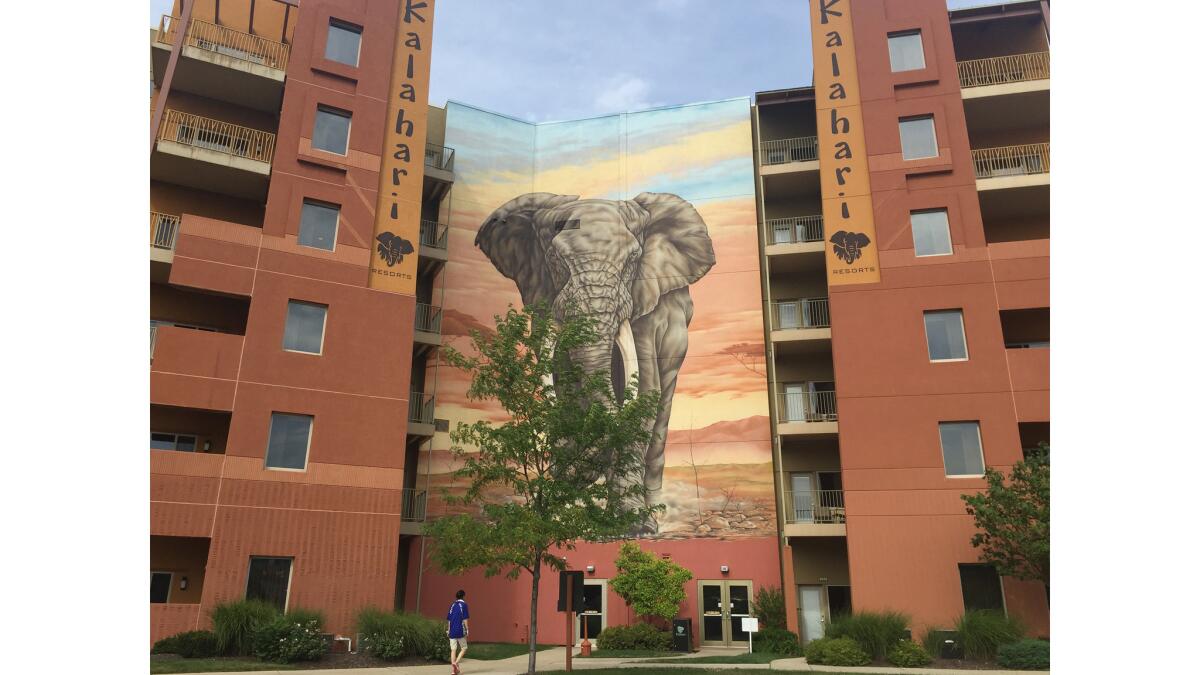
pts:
[723, 605]
[591, 620]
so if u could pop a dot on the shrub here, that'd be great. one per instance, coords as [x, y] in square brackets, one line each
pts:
[234, 624]
[634, 636]
[875, 632]
[393, 636]
[779, 641]
[908, 654]
[286, 640]
[302, 615]
[1024, 655]
[193, 644]
[981, 632]
[769, 607]
[651, 585]
[836, 652]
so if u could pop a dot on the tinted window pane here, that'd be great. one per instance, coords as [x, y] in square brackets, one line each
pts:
[287, 445]
[160, 586]
[318, 225]
[961, 451]
[931, 232]
[917, 138]
[906, 52]
[305, 328]
[185, 443]
[268, 580]
[944, 333]
[342, 44]
[331, 131]
[162, 441]
[981, 587]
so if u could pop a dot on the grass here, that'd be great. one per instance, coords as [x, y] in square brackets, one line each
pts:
[211, 666]
[668, 671]
[630, 654]
[493, 651]
[756, 657]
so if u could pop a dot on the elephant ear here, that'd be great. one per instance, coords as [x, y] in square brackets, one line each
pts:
[676, 249]
[509, 239]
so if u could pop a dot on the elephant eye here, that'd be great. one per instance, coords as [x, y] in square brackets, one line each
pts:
[561, 225]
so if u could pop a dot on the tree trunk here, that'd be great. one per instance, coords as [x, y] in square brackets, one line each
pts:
[533, 606]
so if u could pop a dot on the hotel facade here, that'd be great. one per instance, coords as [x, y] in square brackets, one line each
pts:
[840, 290]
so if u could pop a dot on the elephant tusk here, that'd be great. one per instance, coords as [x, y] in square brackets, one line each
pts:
[628, 350]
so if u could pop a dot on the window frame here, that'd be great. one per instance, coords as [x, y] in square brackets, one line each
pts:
[312, 423]
[999, 579]
[962, 327]
[170, 585]
[932, 128]
[324, 324]
[195, 437]
[338, 112]
[287, 595]
[337, 222]
[942, 447]
[913, 229]
[349, 27]
[920, 44]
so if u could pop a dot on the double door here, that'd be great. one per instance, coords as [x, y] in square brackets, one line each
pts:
[723, 605]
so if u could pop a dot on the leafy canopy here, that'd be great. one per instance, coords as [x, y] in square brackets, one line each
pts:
[651, 585]
[1013, 517]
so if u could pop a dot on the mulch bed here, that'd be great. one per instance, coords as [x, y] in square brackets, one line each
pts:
[327, 662]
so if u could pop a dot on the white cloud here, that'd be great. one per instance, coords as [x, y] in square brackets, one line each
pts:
[623, 93]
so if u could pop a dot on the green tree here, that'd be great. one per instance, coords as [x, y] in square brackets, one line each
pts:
[565, 457]
[1013, 517]
[769, 607]
[651, 585]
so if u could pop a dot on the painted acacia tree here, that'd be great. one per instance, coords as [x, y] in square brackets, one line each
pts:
[652, 586]
[1013, 517]
[552, 474]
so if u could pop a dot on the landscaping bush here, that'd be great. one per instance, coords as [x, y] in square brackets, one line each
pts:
[779, 641]
[769, 608]
[193, 644]
[981, 632]
[908, 654]
[634, 636]
[1024, 655]
[836, 652]
[286, 640]
[302, 615]
[875, 632]
[235, 623]
[392, 636]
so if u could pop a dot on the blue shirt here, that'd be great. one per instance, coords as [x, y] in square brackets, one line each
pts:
[457, 614]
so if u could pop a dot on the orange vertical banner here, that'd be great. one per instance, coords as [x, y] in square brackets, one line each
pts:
[402, 170]
[851, 251]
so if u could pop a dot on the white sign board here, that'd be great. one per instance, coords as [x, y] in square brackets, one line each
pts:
[750, 624]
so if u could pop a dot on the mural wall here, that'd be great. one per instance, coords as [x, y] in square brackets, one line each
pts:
[645, 221]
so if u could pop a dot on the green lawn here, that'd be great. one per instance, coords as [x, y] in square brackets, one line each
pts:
[212, 666]
[492, 651]
[629, 654]
[668, 671]
[756, 657]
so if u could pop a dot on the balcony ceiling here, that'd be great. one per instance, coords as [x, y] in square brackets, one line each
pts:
[993, 116]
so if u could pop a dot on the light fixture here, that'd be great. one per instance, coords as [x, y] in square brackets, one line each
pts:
[724, 569]
[183, 583]
[591, 569]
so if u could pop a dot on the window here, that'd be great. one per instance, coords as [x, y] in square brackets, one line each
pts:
[906, 51]
[944, 335]
[166, 441]
[331, 130]
[931, 232]
[342, 43]
[917, 137]
[962, 451]
[160, 586]
[981, 587]
[268, 580]
[305, 327]
[287, 443]
[318, 225]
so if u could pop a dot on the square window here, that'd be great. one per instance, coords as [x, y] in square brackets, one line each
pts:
[160, 587]
[962, 450]
[917, 137]
[318, 225]
[287, 443]
[945, 336]
[305, 327]
[906, 51]
[931, 232]
[342, 42]
[168, 441]
[331, 130]
[268, 580]
[981, 587]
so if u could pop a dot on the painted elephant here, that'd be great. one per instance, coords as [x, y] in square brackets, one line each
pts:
[625, 263]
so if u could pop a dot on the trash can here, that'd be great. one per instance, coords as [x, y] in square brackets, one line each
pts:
[681, 635]
[950, 645]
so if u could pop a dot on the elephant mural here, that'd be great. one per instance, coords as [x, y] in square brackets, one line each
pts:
[627, 264]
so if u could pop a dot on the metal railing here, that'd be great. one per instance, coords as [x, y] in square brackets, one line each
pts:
[434, 235]
[814, 506]
[428, 318]
[439, 156]
[807, 406]
[420, 408]
[799, 229]
[805, 313]
[412, 505]
[164, 228]
[1012, 160]
[1004, 69]
[227, 41]
[153, 339]
[204, 132]
[784, 150]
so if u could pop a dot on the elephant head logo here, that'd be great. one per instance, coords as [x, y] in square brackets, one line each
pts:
[392, 247]
[627, 264]
[848, 246]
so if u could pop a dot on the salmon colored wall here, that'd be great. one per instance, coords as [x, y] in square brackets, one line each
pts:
[173, 303]
[221, 110]
[178, 200]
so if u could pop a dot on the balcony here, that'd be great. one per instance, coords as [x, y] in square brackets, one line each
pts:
[222, 63]
[803, 322]
[427, 328]
[814, 513]
[412, 511]
[420, 414]
[788, 154]
[1004, 74]
[212, 155]
[439, 167]
[164, 229]
[796, 235]
[432, 253]
[1012, 166]
[804, 411]
[193, 367]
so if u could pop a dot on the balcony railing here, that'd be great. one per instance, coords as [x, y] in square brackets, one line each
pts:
[434, 235]
[420, 408]
[1012, 160]
[210, 134]
[806, 313]
[800, 229]
[153, 339]
[439, 157]
[412, 505]
[1004, 69]
[163, 230]
[782, 151]
[807, 406]
[227, 41]
[428, 318]
[814, 506]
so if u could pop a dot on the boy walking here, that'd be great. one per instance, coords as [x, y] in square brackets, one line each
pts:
[457, 629]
